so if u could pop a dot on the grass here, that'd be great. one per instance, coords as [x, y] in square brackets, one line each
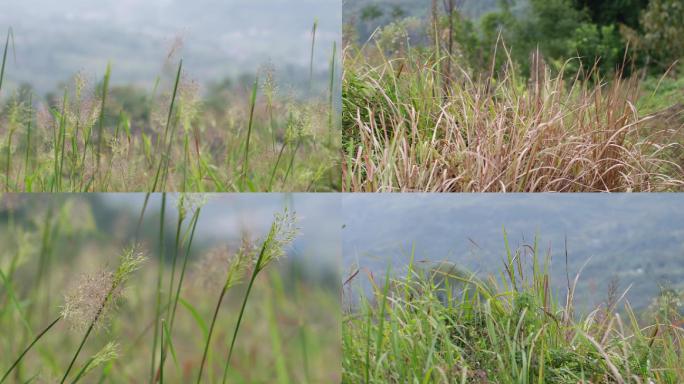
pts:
[440, 324]
[74, 313]
[103, 137]
[407, 126]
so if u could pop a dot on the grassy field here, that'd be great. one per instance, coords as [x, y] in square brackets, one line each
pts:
[407, 126]
[79, 304]
[252, 136]
[439, 324]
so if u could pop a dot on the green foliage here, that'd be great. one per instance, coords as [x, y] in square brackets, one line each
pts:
[619, 35]
[370, 13]
[612, 12]
[663, 25]
[592, 43]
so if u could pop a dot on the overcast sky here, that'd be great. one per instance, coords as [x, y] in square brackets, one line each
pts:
[226, 216]
[55, 39]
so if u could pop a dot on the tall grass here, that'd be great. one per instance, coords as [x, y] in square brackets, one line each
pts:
[99, 331]
[237, 140]
[406, 128]
[444, 325]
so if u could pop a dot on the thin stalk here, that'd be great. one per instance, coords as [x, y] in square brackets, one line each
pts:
[4, 55]
[165, 155]
[62, 138]
[186, 162]
[275, 167]
[245, 162]
[28, 139]
[179, 226]
[56, 137]
[100, 132]
[256, 271]
[194, 220]
[82, 371]
[313, 44]
[163, 354]
[330, 98]
[211, 332]
[292, 159]
[171, 297]
[9, 158]
[172, 315]
[159, 284]
[35, 340]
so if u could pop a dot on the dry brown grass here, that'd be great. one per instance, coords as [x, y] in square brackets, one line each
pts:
[405, 131]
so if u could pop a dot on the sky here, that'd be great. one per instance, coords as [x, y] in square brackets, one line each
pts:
[216, 38]
[637, 239]
[226, 216]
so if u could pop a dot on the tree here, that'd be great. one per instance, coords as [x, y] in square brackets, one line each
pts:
[607, 12]
[370, 13]
[397, 12]
[663, 26]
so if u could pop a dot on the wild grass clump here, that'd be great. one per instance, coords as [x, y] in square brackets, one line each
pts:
[442, 325]
[94, 135]
[409, 127]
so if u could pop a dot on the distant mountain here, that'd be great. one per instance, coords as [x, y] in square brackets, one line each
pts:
[220, 38]
[471, 8]
[638, 239]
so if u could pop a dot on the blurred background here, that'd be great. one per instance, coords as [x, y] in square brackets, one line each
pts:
[51, 242]
[633, 241]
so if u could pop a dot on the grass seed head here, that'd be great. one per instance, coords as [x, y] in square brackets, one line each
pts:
[87, 302]
[188, 203]
[95, 296]
[283, 231]
[108, 353]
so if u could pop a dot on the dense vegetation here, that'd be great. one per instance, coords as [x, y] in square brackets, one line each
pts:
[244, 135]
[81, 303]
[557, 95]
[444, 325]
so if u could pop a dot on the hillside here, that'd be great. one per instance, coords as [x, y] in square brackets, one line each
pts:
[471, 8]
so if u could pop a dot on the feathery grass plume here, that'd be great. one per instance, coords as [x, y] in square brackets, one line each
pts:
[188, 203]
[226, 269]
[95, 297]
[283, 231]
[108, 353]
[219, 267]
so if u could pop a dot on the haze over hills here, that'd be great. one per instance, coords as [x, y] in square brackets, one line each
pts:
[54, 40]
[352, 11]
[637, 239]
[419, 8]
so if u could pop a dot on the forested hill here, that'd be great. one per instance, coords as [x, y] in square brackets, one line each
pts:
[366, 15]
[419, 8]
